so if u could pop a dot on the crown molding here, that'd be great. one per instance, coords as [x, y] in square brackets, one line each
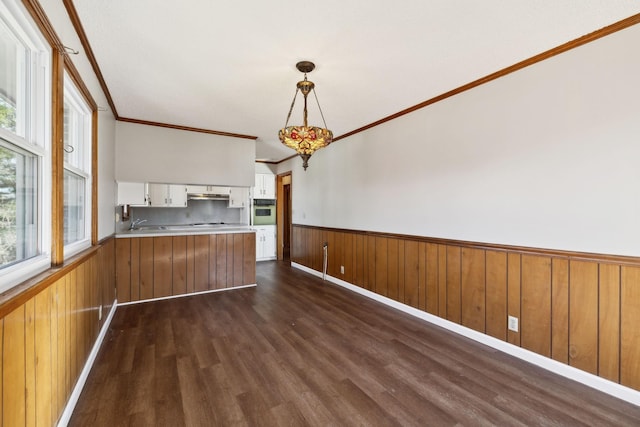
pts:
[187, 128]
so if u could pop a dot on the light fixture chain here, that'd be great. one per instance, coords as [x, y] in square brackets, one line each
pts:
[319, 108]
[295, 95]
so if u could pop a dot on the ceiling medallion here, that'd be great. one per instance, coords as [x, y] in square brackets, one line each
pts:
[305, 139]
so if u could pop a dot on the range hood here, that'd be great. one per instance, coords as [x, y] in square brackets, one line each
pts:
[207, 196]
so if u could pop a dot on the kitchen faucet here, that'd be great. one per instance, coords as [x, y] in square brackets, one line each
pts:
[135, 223]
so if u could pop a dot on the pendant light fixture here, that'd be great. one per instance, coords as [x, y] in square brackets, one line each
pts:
[305, 139]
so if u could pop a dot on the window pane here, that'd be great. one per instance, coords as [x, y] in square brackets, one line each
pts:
[77, 128]
[18, 205]
[12, 82]
[74, 207]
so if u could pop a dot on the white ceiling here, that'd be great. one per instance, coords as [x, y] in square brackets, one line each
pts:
[230, 65]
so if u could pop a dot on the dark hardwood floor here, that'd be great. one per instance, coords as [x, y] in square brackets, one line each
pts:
[297, 351]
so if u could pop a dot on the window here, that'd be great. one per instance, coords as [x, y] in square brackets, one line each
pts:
[18, 205]
[25, 171]
[77, 170]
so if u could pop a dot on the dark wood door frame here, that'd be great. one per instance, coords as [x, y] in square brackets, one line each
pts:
[281, 220]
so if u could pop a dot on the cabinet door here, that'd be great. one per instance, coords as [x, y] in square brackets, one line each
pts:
[260, 243]
[265, 186]
[132, 193]
[168, 195]
[215, 189]
[269, 186]
[158, 194]
[238, 197]
[196, 189]
[258, 190]
[177, 196]
[270, 242]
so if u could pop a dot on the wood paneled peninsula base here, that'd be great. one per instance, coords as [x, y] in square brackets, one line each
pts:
[160, 266]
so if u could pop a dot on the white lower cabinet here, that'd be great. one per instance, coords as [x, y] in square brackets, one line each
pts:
[265, 242]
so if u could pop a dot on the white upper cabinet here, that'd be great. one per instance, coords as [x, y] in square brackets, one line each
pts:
[168, 195]
[238, 197]
[265, 186]
[208, 189]
[132, 193]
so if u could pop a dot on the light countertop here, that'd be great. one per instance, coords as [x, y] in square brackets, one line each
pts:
[183, 230]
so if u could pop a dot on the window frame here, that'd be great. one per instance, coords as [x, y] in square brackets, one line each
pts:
[79, 164]
[33, 133]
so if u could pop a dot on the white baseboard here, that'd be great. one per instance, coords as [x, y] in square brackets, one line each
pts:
[82, 379]
[187, 295]
[609, 387]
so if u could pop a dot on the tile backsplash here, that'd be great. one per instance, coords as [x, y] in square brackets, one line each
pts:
[197, 211]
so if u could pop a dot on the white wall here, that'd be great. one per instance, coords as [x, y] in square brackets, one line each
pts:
[106, 174]
[57, 15]
[546, 157]
[267, 168]
[155, 154]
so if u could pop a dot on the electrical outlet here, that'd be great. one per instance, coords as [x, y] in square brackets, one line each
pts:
[342, 269]
[513, 323]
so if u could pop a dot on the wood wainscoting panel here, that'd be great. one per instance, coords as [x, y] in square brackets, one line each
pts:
[45, 341]
[583, 316]
[237, 260]
[393, 252]
[401, 269]
[75, 319]
[496, 294]
[221, 261]
[57, 399]
[609, 322]
[453, 279]
[179, 265]
[63, 344]
[380, 266]
[431, 291]
[249, 259]
[412, 273]
[135, 269]
[629, 330]
[123, 269]
[535, 319]
[201, 263]
[514, 294]
[370, 261]
[359, 257]
[560, 310]
[191, 262]
[14, 369]
[317, 252]
[146, 268]
[44, 365]
[212, 262]
[473, 289]
[423, 270]
[442, 281]
[335, 240]
[30, 362]
[348, 258]
[179, 260]
[162, 266]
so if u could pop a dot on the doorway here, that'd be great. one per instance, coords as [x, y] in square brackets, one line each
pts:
[284, 216]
